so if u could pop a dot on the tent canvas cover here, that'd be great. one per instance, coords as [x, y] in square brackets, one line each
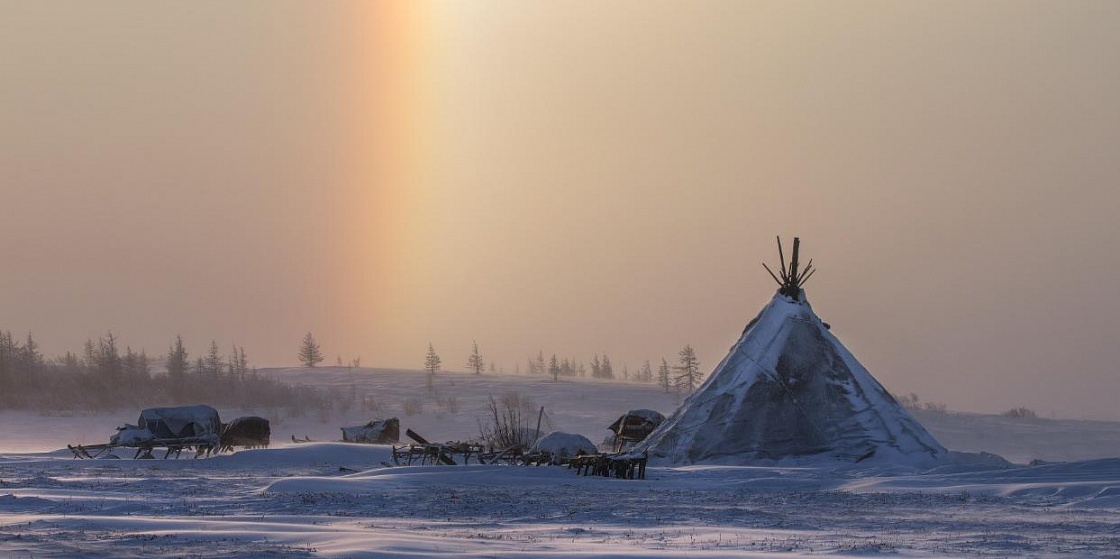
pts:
[182, 422]
[790, 391]
[382, 431]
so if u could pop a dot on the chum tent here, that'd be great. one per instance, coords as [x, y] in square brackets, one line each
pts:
[788, 389]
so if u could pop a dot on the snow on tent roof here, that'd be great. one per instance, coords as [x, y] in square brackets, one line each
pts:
[789, 389]
[649, 416]
[182, 421]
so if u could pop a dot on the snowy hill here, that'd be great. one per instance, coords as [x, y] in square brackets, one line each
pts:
[1021, 439]
[582, 406]
[335, 500]
[575, 405]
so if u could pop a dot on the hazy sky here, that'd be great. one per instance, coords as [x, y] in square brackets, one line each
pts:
[576, 177]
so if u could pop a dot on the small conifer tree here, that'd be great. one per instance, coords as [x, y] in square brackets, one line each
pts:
[309, 353]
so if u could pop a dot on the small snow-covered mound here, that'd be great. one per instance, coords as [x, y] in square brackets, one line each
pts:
[131, 435]
[980, 459]
[649, 415]
[353, 456]
[564, 445]
[10, 503]
[1089, 484]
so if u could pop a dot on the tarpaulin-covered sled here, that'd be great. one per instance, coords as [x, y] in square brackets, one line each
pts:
[195, 427]
[246, 432]
[385, 431]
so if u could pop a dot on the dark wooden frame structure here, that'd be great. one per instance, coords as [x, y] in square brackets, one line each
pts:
[792, 279]
[201, 446]
[621, 466]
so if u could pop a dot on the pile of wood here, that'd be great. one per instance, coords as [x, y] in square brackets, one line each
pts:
[454, 453]
[424, 452]
[622, 466]
[792, 278]
[618, 465]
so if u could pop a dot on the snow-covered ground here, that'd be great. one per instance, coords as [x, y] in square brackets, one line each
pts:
[337, 500]
[333, 500]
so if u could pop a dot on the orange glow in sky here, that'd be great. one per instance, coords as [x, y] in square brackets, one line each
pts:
[573, 178]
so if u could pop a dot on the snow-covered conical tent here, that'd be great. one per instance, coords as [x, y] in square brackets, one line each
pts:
[790, 390]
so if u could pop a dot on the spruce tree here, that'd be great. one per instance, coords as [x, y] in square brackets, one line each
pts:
[688, 372]
[89, 356]
[178, 363]
[663, 375]
[475, 362]
[109, 366]
[7, 365]
[242, 362]
[309, 353]
[130, 364]
[233, 364]
[214, 365]
[143, 366]
[32, 360]
[431, 365]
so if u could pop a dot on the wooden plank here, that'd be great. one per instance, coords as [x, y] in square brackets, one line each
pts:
[782, 258]
[416, 437]
[793, 261]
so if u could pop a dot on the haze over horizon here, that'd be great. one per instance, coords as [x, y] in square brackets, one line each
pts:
[576, 179]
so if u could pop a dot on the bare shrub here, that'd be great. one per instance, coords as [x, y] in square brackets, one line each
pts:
[508, 422]
[1020, 413]
[450, 403]
[413, 406]
[323, 414]
[373, 405]
[275, 418]
[936, 407]
[909, 401]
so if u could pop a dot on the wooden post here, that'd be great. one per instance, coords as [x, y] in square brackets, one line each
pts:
[793, 261]
[416, 437]
[783, 259]
[539, 417]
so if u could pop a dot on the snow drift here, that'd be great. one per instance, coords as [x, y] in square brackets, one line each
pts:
[564, 445]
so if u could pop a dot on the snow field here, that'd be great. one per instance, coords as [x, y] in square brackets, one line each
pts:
[336, 500]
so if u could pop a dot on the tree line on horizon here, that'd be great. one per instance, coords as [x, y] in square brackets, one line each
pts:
[685, 376]
[103, 376]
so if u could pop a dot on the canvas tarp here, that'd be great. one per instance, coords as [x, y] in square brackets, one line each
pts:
[198, 421]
